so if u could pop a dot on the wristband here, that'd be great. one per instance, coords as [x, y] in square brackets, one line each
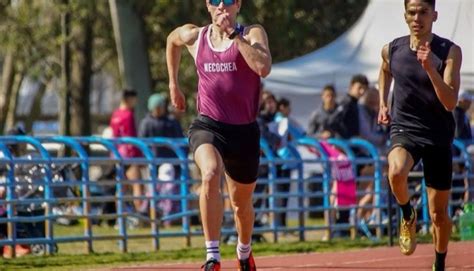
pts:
[238, 30]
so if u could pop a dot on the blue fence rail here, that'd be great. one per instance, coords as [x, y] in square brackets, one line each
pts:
[87, 153]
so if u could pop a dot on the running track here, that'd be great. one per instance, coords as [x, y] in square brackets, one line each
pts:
[460, 257]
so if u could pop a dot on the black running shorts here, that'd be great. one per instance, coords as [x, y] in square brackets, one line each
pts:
[238, 145]
[437, 160]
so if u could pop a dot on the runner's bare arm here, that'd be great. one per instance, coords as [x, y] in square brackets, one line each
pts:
[385, 80]
[447, 86]
[185, 35]
[254, 48]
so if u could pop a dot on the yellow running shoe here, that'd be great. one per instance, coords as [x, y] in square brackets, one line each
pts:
[407, 238]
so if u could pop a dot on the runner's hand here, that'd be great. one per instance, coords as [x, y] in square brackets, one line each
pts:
[177, 98]
[384, 116]
[424, 56]
[224, 24]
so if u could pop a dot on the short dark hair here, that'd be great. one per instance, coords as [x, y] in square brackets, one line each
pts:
[269, 95]
[283, 102]
[16, 131]
[129, 93]
[329, 88]
[359, 78]
[15, 149]
[432, 3]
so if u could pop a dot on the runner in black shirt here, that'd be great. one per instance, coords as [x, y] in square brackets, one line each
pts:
[426, 71]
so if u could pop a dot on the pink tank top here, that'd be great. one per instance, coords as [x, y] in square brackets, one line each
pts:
[228, 90]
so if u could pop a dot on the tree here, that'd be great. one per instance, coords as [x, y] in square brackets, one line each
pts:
[294, 27]
[31, 38]
[26, 41]
[30, 33]
[91, 49]
[132, 51]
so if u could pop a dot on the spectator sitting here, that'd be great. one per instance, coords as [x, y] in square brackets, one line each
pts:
[166, 187]
[323, 122]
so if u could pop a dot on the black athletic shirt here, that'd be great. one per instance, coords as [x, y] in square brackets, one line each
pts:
[416, 110]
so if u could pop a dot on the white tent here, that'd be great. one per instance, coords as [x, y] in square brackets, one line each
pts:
[358, 51]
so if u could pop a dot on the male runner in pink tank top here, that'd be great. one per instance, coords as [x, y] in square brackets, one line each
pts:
[230, 60]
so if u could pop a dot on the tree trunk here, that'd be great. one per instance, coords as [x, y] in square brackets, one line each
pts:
[64, 94]
[11, 115]
[133, 59]
[8, 76]
[35, 111]
[81, 77]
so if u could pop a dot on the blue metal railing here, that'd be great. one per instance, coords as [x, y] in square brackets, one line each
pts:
[86, 158]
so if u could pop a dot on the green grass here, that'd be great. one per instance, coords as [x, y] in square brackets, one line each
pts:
[145, 245]
[107, 260]
[73, 256]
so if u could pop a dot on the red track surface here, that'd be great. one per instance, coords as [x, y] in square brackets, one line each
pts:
[460, 257]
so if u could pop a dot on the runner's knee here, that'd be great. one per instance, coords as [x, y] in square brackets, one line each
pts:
[210, 179]
[243, 208]
[439, 218]
[396, 174]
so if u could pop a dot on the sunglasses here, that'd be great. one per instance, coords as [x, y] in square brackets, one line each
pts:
[227, 3]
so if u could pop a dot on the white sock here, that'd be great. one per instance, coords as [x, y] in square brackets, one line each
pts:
[243, 250]
[212, 249]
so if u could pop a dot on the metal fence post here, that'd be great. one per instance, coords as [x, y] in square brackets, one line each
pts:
[324, 160]
[378, 178]
[45, 159]
[301, 191]
[10, 195]
[272, 175]
[83, 160]
[149, 157]
[177, 145]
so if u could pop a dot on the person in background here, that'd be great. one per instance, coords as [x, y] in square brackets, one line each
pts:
[371, 131]
[268, 107]
[166, 187]
[348, 109]
[460, 187]
[323, 123]
[288, 130]
[122, 124]
[16, 150]
[284, 110]
[463, 124]
[158, 123]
